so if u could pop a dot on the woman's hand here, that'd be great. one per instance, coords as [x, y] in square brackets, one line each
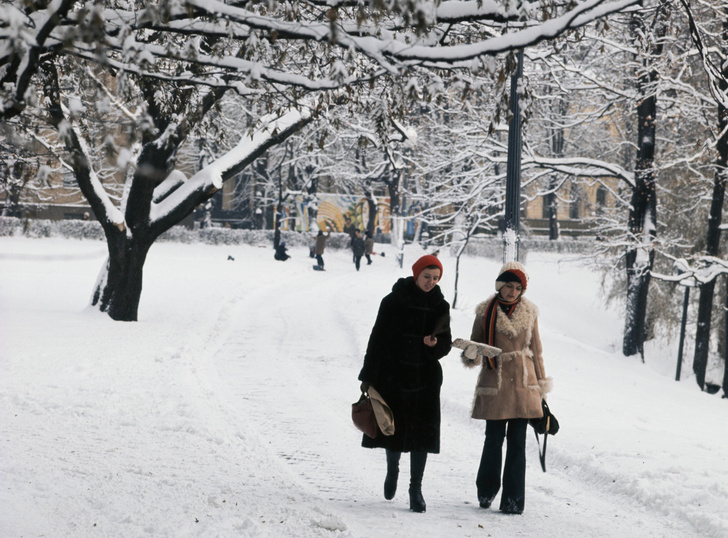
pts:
[430, 341]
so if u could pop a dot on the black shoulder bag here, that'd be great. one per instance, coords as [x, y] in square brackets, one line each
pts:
[545, 425]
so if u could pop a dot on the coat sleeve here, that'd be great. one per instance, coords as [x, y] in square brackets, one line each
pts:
[544, 383]
[441, 330]
[476, 334]
[444, 341]
[376, 352]
[444, 344]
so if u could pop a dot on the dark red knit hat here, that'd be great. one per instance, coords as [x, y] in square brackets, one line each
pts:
[426, 261]
[512, 272]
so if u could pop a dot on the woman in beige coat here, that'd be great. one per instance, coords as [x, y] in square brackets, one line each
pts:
[510, 386]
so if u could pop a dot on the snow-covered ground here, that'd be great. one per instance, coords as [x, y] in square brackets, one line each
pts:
[225, 411]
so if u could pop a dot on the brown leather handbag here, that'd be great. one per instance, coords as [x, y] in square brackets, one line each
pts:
[362, 413]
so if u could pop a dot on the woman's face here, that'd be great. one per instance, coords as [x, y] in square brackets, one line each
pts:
[510, 291]
[427, 279]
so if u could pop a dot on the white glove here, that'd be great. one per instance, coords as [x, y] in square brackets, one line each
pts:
[471, 352]
[470, 363]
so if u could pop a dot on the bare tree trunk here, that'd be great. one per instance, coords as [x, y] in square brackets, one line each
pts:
[278, 215]
[557, 149]
[395, 211]
[638, 282]
[118, 291]
[312, 190]
[712, 243]
[553, 209]
[725, 343]
[643, 210]
[461, 248]
[372, 205]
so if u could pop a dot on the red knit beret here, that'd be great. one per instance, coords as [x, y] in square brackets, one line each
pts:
[426, 261]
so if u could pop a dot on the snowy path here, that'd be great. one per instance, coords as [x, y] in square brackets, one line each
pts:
[224, 412]
[295, 393]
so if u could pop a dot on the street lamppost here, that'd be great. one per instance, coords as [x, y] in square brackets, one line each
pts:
[511, 236]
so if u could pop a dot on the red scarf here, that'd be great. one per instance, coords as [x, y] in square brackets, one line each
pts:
[491, 314]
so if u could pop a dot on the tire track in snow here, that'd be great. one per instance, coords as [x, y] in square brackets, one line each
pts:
[285, 384]
[275, 394]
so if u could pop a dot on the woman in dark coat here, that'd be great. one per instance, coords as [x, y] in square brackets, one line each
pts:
[410, 335]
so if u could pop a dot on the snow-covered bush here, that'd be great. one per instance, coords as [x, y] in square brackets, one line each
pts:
[78, 229]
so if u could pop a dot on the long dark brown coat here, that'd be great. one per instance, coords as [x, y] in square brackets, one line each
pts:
[405, 371]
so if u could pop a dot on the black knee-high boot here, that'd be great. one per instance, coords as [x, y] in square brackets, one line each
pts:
[417, 471]
[390, 482]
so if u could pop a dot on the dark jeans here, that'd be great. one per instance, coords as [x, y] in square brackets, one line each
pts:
[514, 472]
[357, 261]
[320, 260]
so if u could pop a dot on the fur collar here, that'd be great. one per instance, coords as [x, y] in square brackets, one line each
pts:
[521, 319]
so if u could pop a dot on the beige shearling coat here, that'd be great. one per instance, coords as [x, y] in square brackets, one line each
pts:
[515, 388]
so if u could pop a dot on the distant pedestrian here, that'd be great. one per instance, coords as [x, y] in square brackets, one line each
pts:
[281, 252]
[357, 246]
[321, 246]
[368, 247]
[349, 227]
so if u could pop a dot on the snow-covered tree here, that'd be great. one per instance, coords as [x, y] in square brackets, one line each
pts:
[170, 64]
[456, 170]
[713, 21]
[633, 103]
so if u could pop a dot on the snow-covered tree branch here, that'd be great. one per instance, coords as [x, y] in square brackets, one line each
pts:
[160, 74]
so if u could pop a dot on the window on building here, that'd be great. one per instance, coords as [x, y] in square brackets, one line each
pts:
[575, 202]
[601, 200]
[68, 178]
